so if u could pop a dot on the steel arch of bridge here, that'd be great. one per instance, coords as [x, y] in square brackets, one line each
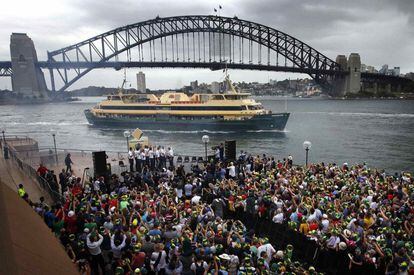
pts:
[96, 51]
[6, 71]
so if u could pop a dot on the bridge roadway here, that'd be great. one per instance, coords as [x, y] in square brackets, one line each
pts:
[153, 64]
[6, 67]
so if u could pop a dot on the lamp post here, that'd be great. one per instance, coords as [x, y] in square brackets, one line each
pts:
[307, 145]
[4, 139]
[127, 134]
[54, 143]
[205, 140]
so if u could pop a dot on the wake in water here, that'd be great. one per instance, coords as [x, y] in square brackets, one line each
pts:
[268, 131]
[386, 115]
[190, 132]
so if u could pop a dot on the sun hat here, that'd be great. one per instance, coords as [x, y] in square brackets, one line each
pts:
[279, 254]
[342, 246]
[347, 233]
[224, 256]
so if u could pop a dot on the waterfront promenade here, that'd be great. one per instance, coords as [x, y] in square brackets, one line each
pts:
[26, 244]
[11, 175]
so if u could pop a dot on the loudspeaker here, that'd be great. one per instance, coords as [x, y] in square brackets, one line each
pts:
[99, 163]
[230, 149]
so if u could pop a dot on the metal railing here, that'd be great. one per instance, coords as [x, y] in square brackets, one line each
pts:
[30, 171]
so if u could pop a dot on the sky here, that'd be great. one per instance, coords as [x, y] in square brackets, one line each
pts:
[381, 31]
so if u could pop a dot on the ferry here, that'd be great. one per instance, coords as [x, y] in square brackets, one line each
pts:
[228, 111]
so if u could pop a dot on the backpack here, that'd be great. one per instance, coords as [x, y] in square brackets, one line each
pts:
[199, 268]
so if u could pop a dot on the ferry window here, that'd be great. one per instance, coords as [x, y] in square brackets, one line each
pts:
[255, 107]
[245, 107]
[232, 97]
[204, 98]
[217, 97]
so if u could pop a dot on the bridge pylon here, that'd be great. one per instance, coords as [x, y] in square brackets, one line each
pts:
[349, 83]
[28, 80]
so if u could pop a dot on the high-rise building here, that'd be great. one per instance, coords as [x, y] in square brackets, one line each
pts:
[384, 69]
[215, 87]
[194, 85]
[141, 87]
[364, 68]
[396, 71]
[371, 69]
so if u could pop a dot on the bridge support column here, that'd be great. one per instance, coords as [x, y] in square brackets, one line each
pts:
[399, 88]
[340, 82]
[28, 80]
[52, 80]
[388, 88]
[354, 77]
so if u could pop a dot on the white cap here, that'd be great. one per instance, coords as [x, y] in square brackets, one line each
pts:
[71, 214]
[279, 254]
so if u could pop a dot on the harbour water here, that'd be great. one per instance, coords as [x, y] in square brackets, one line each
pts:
[379, 132]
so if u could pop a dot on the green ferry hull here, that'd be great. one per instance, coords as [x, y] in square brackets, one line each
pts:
[261, 122]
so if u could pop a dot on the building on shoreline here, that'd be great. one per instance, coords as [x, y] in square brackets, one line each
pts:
[141, 85]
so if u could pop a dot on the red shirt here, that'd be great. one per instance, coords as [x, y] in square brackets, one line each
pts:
[76, 190]
[42, 170]
[313, 226]
[113, 202]
[71, 224]
[138, 260]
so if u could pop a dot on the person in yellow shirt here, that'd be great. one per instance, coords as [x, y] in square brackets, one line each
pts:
[368, 220]
[21, 191]
[304, 226]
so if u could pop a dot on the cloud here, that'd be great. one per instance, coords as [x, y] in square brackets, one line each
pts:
[381, 31]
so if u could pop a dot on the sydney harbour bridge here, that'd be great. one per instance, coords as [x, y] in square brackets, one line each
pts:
[199, 41]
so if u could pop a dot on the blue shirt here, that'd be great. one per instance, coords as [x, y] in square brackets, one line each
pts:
[154, 232]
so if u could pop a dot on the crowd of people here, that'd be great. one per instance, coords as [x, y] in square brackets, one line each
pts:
[165, 220]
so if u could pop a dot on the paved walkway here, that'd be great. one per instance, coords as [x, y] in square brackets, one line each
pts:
[12, 176]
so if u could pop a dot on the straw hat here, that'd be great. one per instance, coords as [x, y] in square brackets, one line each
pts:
[224, 256]
[347, 233]
[342, 246]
